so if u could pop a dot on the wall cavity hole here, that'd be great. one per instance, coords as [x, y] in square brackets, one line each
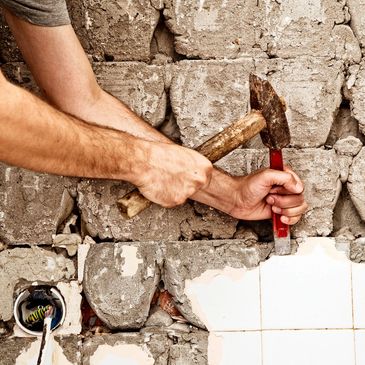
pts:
[32, 304]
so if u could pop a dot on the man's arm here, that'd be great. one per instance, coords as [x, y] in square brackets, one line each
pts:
[36, 136]
[62, 70]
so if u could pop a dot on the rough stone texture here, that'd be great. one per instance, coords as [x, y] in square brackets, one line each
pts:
[349, 146]
[120, 280]
[311, 88]
[214, 29]
[138, 85]
[357, 250]
[358, 97]
[158, 317]
[320, 172]
[150, 347]
[19, 351]
[29, 264]
[115, 31]
[102, 218]
[293, 29]
[357, 12]
[356, 183]
[187, 260]
[32, 205]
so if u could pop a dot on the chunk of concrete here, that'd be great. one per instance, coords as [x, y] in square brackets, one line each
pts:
[120, 280]
[356, 183]
[214, 29]
[119, 31]
[311, 88]
[103, 219]
[313, 29]
[357, 12]
[151, 347]
[140, 86]
[349, 146]
[25, 351]
[320, 172]
[29, 264]
[358, 97]
[32, 205]
[188, 260]
[158, 317]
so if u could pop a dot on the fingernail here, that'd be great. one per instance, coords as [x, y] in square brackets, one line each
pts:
[276, 210]
[285, 219]
[270, 200]
[299, 187]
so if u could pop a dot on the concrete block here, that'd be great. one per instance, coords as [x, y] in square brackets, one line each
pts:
[214, 29]
[103, 219]
[311, 88]
[116, 31]
[120, 280]
[308, 29]
[152, 347]
[25, 351]
[32, 205]
[356, 183]
[357, 12]
[30, 265]
[187, 261]
[320, 171]
[138, 85]
[358, 96]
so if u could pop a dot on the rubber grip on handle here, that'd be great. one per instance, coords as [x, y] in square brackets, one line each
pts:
[276, 162]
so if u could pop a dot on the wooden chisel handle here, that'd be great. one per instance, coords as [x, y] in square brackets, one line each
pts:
[214, 149]
[280, 229]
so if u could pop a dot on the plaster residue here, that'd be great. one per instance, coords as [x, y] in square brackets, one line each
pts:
[206, 20]
[29, 356]
[121, 354]
[131, 261]
[219, 298]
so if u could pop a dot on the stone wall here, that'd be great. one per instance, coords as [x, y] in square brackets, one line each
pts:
[183, 66]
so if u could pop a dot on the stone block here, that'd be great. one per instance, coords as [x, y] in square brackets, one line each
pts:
[358, 97]
[357, 12]
[115, 31]
[188, 260]
[103, 219]
[30, 265]
[308, 29]
[152, 347]
[356, 183]
[319, 169]
[138, 85]
[120, 280]
[311, 88]
[214, 29]
[32, 205]
[25, 351]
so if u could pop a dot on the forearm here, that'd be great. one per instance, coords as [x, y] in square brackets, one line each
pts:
[36, 136]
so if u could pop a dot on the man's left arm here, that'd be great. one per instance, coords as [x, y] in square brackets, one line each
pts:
[61, 69]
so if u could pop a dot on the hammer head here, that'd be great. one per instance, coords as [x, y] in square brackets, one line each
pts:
[263, 98]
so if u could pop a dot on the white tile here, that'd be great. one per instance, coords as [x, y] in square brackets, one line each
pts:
[234, 348]
[360, 347]
[358, 287]
[226, 300]
[309, 290]
[307, 347]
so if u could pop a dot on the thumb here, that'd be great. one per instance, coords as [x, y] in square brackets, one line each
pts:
[282, 178]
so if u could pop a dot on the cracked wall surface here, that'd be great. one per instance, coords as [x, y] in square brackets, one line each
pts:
[183, 66]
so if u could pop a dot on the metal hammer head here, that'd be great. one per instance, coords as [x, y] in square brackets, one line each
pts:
[263, 98]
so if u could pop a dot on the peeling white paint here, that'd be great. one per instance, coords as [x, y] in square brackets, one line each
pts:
[30, 356]
[121, 354]
[131, 262]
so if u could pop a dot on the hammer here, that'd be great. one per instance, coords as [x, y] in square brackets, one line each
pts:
[267, 117]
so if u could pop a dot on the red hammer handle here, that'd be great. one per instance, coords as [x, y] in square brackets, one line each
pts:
[276, 162]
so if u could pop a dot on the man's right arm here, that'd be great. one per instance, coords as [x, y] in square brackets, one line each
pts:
[36, 136]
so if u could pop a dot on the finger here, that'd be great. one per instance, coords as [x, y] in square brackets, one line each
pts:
[290, 220]
[282, 178]
[291, 212]
[285, 201]
[296, 177]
